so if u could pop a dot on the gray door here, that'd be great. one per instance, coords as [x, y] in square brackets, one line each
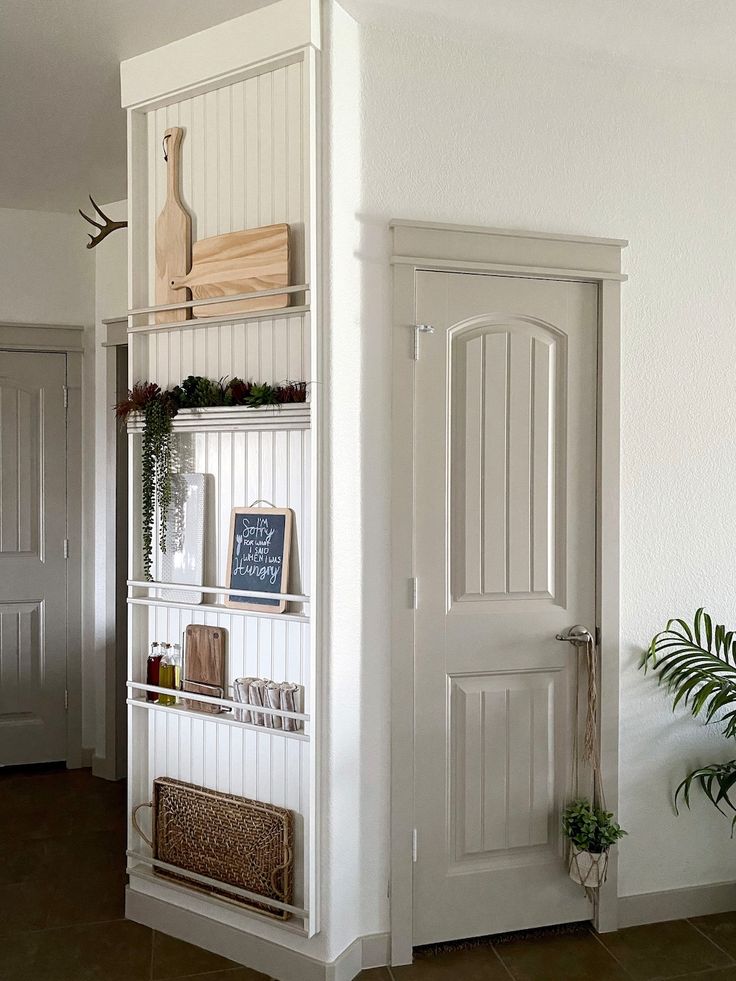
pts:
[505, 442]
[33, 569]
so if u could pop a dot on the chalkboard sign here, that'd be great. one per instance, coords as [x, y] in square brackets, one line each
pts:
[258, 556]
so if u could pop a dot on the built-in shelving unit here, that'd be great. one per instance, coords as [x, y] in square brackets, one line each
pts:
[248, 159]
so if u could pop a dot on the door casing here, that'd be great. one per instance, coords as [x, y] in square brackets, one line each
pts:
[419, 246]
[68, 340]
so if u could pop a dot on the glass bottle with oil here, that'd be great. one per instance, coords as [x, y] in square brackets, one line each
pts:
[169, 673]
[153, 665]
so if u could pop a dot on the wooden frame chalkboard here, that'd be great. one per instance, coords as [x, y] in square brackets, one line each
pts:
[259, 548]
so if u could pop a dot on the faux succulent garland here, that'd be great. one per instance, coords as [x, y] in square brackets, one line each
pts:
[159, 408]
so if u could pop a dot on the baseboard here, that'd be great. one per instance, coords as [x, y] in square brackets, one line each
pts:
[101, 767]
[87, 756]
[676, 904]
[273, 960]
[376, 950]
[362, 954]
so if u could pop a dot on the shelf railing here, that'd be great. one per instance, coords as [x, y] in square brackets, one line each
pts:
[186, 304]
[227, 703]
[217, 590]
[219, 718]
[205, 880]
[216, 608]
[232, 318]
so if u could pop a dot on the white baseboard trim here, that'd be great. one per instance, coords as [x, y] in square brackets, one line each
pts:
[362, 954]
[279, 963]
[376, 950]
[676, 904]
[87, 757]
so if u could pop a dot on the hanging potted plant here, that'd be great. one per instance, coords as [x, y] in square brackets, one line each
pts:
[591, 831]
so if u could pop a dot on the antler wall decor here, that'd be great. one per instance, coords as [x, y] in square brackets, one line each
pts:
[109, 225]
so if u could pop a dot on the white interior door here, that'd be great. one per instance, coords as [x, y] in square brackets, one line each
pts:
[33, 574]
[505, 495]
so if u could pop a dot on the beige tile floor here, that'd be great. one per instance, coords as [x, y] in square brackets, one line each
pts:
[61, 912]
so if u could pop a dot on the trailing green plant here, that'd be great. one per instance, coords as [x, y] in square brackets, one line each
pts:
[697, 666]
[590, 828]
[158, 408]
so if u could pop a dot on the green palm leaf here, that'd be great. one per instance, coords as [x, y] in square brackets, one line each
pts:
[697, 666]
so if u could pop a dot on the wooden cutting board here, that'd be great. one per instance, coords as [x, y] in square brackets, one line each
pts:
[173, 234]
[239, 262]
[205, 654]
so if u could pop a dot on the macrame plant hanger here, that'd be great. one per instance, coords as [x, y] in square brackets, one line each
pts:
[586, 664]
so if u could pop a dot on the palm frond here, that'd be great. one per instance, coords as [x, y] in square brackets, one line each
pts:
[697, 666]
[716, 781]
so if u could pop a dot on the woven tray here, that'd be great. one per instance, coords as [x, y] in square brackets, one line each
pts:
[240, 842]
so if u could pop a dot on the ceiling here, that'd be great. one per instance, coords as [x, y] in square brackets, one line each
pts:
[62, 130]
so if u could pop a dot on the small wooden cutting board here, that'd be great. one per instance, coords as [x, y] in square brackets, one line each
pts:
[205, 654]
[239, 262]
[173, 234]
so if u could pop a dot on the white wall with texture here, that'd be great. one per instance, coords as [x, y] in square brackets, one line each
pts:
[479, 132]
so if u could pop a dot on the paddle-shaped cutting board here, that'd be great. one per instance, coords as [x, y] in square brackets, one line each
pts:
[239, 262]
[173, 233]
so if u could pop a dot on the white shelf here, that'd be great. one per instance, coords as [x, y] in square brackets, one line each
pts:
[222, 718]
[237, 318]
[288, 415]
[216, 608]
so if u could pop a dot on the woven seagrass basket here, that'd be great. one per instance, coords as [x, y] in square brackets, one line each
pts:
[237, 841]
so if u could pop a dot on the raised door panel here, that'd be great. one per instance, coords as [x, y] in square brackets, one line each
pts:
[21, 419]
[507, 440]
[503, 767]
[22, 664]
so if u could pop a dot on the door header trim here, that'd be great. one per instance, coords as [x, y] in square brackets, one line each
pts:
[463, 247]
[509, 232]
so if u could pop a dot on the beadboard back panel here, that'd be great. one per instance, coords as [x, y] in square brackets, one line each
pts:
[247, 161]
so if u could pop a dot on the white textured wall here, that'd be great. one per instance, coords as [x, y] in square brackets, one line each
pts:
[46, 274]
[475, 133]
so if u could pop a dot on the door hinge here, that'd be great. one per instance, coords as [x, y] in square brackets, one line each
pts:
[420, 329]
[414, 845]
[65, 390]
[66, 548]
[413, 594]
[66, 701]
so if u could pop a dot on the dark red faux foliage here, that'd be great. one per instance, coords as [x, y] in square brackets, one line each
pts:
[139, 396]
[292, 392]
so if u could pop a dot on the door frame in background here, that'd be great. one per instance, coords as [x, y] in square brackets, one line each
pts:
[111, 523]
[68, 340]
[427, 246]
